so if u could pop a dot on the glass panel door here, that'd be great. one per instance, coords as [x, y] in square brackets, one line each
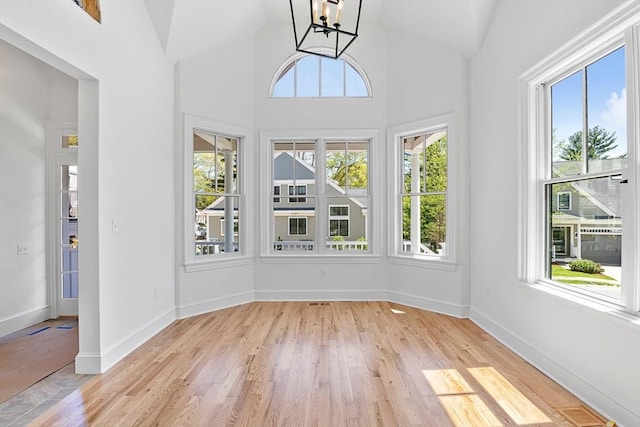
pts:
[68, 240]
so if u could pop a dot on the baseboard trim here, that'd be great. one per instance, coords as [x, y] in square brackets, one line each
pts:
[117, 352]
[9, 325]
[320, 295]
[429, 304]
[88, 363]
[208, 306]
[593, 397]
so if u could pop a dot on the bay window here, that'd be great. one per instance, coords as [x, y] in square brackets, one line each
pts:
[579, 201]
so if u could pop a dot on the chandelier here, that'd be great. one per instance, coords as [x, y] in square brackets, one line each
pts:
[325, 27]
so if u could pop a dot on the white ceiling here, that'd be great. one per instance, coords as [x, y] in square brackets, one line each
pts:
[189, 27]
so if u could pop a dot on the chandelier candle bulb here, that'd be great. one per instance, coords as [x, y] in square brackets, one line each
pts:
[324, 8]
[315, 12]
[339, 12]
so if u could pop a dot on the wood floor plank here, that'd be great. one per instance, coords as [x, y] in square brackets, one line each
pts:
[330, 364]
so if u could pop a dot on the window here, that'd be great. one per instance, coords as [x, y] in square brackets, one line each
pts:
[312, 76]
[339, 221]
[276, 192]
[579, 196]
[332, 175]
[421, 207]
[563, 201]
[424, 193]
[235, 227]
[297, 190]
[297, 226]
[215, 192]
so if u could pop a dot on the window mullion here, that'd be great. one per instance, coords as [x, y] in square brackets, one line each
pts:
[585, 123]
[321, 204]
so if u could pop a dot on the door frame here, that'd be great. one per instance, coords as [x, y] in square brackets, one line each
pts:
[56, 156]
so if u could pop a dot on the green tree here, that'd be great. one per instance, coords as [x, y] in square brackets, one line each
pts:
[350, 166]
[433, 170]
[205, 180]
[599, 143]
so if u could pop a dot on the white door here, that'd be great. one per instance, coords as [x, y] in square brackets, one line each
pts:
[68, 240]
[62, 165]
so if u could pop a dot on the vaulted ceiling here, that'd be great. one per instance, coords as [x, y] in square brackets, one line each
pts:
[189, 27]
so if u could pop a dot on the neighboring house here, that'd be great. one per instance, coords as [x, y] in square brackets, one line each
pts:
[587, 220]
[294, 192]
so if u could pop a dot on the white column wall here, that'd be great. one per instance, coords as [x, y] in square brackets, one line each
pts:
[216, 85]
[128, 277]
[322, 278]
[427, 80]
[591, 352]
[31, 93]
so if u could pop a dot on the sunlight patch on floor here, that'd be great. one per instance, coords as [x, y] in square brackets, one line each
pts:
[511, 400]
[465, 406]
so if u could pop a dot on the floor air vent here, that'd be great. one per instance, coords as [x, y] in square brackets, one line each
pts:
[580, 416]
[318, 304]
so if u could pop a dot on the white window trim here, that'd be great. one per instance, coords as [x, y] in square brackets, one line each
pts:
[306, 225]
[276, 197]
[376, 182]
[558, 201]
[296, 196]
[625, 20]
[346, 217]
[235, 228]
[298, 55]
[395, 136]
[185, 214]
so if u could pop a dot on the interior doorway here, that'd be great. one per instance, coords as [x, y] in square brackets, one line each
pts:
[63, 219]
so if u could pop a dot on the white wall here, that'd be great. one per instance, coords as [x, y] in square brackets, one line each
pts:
[216, 85]
[31, 93]
[591, 352]
[410, 81]
[426, 80]
[126, 124]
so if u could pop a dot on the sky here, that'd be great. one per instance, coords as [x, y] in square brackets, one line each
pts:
[606, 95]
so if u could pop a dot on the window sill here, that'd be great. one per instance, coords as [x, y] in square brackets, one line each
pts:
[320, 259]
[417, 261]
[594, 303]
[220, 262]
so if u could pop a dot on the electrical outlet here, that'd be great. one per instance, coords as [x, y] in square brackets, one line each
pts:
[23, 249]
[115, 226]
[155, 293]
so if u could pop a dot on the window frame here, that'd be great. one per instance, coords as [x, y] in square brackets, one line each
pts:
[346, 217]
[276, 194]
[291, 63]
[236, 224]
[562, 193]
[395, 137]
[298, 218]
[294, 196]
[320, 136]
[622, 26]
[191, 262]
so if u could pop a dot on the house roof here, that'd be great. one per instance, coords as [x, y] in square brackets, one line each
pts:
[598, 191]
[286, 169]
[190, 27]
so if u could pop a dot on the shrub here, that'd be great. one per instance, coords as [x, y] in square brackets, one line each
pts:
[585, 266]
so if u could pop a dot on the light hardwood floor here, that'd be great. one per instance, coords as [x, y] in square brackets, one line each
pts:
[318, 364]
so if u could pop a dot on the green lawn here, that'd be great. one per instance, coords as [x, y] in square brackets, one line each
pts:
[557, 270]
[563, 275]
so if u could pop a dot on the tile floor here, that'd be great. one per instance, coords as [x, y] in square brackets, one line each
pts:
[24, 407]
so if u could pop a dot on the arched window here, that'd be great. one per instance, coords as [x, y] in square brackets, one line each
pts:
[313, 76]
